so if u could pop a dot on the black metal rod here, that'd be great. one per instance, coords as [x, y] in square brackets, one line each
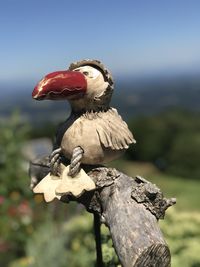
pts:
[97, 233]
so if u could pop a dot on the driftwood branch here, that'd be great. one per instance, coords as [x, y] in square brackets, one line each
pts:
[130, 207]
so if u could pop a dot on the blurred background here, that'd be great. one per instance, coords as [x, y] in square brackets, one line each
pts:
[153, 51]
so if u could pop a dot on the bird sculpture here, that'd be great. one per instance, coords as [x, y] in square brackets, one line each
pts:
[94, 133]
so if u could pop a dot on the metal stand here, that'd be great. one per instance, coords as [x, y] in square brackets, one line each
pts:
[97, 233]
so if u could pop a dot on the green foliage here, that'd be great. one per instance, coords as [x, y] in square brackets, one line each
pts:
[152, 136]
[182, 232]
[67, 244]
[72, 243]
[185, 155]
[110, 258]
[80, 243]
[170, 140]
[12, 174]
[15, 212]
[20, 210]
[47, 247]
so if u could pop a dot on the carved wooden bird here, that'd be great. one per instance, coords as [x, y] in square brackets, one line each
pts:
[94, 133]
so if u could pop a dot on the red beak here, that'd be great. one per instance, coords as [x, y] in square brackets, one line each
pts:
[61, 85]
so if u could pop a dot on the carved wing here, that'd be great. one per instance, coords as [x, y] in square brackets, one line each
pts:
[113, 131]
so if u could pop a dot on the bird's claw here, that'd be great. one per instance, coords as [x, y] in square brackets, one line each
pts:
[54, 162]
[75, 164]
[74, 168]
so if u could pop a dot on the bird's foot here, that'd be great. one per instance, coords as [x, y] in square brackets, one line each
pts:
[54, 162]
[74, 167]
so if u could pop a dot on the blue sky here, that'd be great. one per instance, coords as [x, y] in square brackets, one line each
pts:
[130, 37]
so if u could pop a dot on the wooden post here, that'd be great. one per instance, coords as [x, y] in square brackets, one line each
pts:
[97, 234]
[131, 208]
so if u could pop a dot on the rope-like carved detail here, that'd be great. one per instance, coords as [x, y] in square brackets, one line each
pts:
[76, 161]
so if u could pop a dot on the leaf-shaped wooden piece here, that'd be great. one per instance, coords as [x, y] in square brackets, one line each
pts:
[47, 187]
[74, 185]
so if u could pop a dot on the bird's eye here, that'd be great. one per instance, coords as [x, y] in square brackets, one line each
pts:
[86, 73]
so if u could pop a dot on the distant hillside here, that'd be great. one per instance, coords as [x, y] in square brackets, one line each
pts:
[132, 97]
[154, 95]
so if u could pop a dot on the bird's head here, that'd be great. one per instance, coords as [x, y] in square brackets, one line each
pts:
[86, 84]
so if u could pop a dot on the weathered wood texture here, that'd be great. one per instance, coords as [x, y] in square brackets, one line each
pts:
[130, 207]
[134, 229]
